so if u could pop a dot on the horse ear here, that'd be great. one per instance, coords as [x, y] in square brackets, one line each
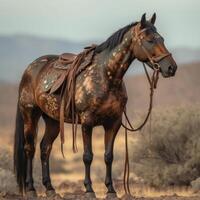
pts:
[143, 21]
[153, 18]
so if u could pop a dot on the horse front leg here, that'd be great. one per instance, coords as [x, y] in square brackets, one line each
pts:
[87, 157]
[111, 128]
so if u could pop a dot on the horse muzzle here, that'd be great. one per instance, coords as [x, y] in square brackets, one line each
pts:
[168, 67]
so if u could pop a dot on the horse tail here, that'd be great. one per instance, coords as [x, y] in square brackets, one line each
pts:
[20, 160]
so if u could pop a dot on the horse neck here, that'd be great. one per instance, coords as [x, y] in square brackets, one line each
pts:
[120, 58]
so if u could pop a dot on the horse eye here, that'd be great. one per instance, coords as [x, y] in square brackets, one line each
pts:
[150, 41]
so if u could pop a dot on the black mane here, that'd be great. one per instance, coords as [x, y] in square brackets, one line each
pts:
[114, 39]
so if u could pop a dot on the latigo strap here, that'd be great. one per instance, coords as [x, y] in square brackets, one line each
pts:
[68, 92]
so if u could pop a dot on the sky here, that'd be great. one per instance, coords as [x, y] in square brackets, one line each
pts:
[80, 20]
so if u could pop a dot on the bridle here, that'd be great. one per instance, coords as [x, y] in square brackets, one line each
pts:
[154, 60]
[153, 80]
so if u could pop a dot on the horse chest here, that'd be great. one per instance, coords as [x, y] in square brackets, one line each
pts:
[99, 109]
[113, 105]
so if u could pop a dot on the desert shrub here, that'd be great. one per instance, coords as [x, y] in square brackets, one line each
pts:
[170, 155]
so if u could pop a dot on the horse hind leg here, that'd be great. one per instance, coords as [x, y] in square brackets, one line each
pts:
[31, 117]
[51, 132]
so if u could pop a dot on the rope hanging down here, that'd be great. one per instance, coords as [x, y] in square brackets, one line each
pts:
[68, 97]
[153, 84]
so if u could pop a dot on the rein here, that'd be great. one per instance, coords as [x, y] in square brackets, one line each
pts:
[153, 80]
[153, 84]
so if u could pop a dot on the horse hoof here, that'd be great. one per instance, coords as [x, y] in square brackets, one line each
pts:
[50, 193]
[90, 195]
[112, 195]
[31, 194]
[127, 197]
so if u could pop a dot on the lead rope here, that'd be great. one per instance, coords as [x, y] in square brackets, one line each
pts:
[126, 164]
[153, 84]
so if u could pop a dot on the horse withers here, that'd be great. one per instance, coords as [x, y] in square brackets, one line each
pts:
[99, 99]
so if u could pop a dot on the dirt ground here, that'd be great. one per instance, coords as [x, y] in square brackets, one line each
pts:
[81, 197]
[73, 190]
[76, 194]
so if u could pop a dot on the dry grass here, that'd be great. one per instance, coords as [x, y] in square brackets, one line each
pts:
[169, 155]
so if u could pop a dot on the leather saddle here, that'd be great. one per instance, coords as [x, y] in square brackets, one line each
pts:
[66, 62]
[65, 59]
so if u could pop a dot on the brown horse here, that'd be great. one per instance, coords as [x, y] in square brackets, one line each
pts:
[100, 99]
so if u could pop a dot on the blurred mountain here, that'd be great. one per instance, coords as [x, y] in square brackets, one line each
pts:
[17, 51]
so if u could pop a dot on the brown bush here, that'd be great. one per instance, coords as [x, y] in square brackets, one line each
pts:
[170, 155]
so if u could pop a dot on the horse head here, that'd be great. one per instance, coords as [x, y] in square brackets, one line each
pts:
[149, 47]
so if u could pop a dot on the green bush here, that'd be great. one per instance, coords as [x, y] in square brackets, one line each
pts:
[170, 155]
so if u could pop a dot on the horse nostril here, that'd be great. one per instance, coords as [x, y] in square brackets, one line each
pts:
[170, 70]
